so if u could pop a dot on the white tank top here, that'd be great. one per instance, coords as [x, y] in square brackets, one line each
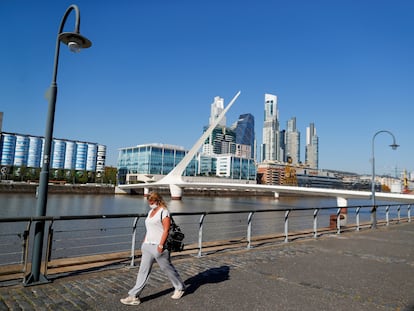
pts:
[154, 226]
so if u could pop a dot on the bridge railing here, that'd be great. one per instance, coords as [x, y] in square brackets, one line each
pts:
[88, 235]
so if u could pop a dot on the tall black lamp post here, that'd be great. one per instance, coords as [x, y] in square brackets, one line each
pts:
[75, 42]
[374, 206]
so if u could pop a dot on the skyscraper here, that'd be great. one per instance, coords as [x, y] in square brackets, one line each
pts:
[220, 139]
[216, 108]
[244, 128]
[271, 139]
[312, 147]
[292, 141]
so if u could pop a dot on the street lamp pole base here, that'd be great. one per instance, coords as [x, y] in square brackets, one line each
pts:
[30, 280]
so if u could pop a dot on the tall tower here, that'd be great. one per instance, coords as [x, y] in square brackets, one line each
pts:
[271, 141]
[244, 128]
[312, 147]
[292, 141]
[222, 139]
[216, 108]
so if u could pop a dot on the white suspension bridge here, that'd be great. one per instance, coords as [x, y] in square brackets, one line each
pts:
[176, 184]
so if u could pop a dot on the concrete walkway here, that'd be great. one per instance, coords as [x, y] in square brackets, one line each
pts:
[366, 270]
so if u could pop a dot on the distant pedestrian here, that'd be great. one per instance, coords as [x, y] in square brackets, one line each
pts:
[157, 225]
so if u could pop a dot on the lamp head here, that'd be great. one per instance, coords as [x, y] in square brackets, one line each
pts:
[394, 146]
[74, 41]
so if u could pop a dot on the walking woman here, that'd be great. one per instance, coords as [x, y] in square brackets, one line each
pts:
[157, 225]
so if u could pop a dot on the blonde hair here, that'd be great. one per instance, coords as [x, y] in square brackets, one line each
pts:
[157, 198]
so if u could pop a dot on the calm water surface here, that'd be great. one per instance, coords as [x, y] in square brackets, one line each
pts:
[12, 205]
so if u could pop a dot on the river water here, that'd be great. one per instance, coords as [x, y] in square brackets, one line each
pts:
[12, 205]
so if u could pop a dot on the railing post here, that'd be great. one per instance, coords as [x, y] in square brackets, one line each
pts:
[338, 221]
[249, 229]
[399, 213]
[134, 232]
[357, 218]
[25, 246]
[409, 212]
[49, 246]
[287, 226]
[387, 215]
[200, 235]
[315, 222]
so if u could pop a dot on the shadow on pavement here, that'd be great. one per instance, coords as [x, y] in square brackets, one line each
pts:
[212, 275]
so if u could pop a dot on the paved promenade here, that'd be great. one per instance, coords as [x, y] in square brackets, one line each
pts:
[366, 270]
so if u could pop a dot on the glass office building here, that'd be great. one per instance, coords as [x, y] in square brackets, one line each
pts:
[221, 141]
[152, 159]
[245, 135]
[234, 167]
[142, 162]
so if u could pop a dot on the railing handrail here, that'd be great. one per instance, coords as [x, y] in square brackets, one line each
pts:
[133, 215]
[248, 229]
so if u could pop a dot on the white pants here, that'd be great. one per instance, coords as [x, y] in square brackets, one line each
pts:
[149, 254]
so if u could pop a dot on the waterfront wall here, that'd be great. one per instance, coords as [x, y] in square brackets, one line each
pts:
[78, 189]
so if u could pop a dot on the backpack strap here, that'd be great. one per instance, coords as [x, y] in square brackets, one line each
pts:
[171, 220]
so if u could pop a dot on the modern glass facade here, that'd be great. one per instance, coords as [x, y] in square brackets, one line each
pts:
[234, 167]
[221, 141]
[158, 159]
[245, 135]
[207, 165]
[152, 159]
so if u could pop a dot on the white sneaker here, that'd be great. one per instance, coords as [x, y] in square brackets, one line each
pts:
[177, 294]
[130, 300]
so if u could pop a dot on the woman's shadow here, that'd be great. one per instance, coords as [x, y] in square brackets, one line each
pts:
[212, 275]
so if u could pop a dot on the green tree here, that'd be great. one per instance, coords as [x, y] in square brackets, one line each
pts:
[110, 175]
[82, 177]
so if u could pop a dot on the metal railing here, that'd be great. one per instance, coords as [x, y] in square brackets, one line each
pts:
[85, 235]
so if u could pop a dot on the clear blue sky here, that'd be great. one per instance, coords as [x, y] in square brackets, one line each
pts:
[155, 67]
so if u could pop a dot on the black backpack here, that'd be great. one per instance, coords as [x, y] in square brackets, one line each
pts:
[174, 242]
